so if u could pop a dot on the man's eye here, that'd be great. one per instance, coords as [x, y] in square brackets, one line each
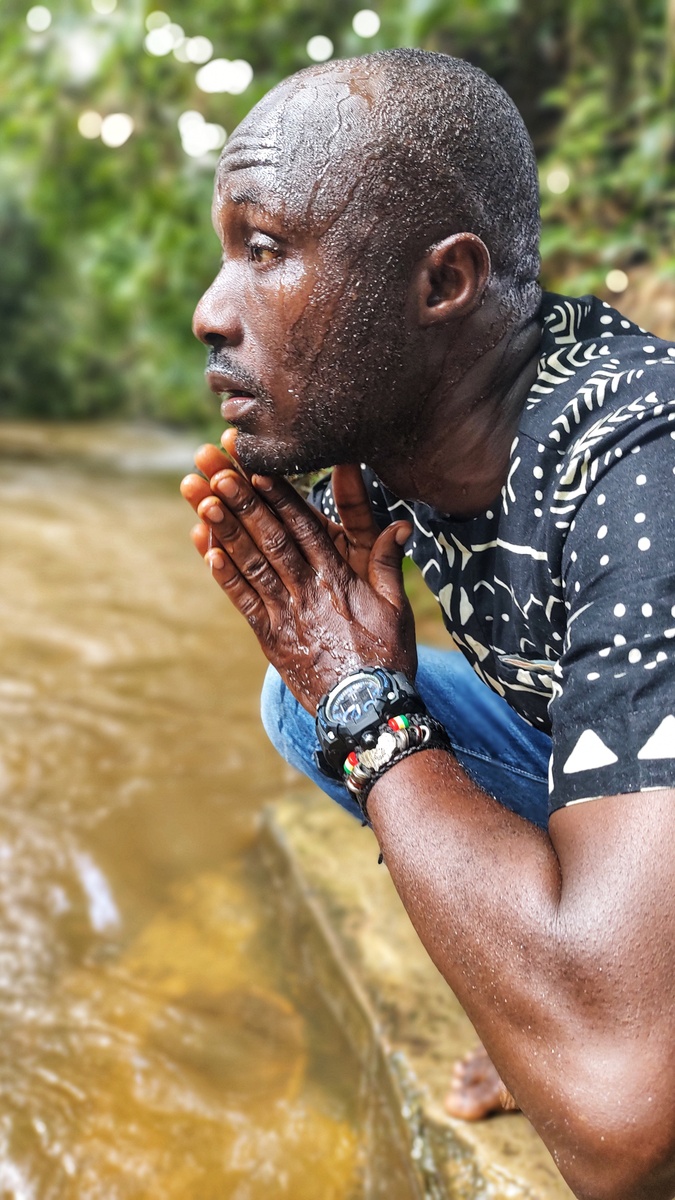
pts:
[262, 254]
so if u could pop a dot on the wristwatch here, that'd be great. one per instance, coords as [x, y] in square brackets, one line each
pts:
[353, 712]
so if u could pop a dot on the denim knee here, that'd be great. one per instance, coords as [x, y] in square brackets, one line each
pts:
[271, 703]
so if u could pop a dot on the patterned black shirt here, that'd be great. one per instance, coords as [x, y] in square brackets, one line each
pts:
[562, 596]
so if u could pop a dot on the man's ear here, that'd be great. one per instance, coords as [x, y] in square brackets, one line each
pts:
[449, 282]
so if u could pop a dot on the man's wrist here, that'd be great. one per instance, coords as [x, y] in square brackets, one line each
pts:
[399, 739]
[372, 719]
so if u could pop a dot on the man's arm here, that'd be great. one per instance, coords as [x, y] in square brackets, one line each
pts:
[562, 951]
[560, 948]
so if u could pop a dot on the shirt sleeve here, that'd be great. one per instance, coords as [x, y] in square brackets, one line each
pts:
[613, 706]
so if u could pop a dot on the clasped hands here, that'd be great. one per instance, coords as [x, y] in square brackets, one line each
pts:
[323, 599]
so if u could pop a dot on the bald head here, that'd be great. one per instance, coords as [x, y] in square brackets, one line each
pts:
[409, 144]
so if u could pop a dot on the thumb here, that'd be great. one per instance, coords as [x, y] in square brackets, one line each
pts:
[353, 505]
[385, 575]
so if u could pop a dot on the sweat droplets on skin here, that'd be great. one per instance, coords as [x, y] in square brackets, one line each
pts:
[212, 540]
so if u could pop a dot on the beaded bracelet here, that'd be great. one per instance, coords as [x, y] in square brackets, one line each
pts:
[398, 739]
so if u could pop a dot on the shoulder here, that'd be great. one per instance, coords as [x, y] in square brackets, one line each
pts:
[597, 371]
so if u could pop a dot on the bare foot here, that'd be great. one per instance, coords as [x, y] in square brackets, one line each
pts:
[476, 1089]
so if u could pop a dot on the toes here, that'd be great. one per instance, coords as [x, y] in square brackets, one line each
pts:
[476, 1089]
[468, 1101]
[473, 1069]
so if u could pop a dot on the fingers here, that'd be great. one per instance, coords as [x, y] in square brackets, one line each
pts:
[210, 459]
[194, 489]
[229, 443]
[384, 569]
[226, 575]
[245, 527]
[200, 537]
[252, 534]
[353, 505]
[301, 521]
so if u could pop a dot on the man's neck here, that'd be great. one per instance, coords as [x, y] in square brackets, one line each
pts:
[457, 453]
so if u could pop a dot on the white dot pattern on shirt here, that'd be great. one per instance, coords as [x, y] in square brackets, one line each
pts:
[616, 655]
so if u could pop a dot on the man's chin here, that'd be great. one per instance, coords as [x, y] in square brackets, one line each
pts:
[261, 456]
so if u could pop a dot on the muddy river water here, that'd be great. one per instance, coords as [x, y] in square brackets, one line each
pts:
[152, 1043]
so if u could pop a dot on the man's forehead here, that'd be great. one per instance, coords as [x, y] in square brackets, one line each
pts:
[296, 139]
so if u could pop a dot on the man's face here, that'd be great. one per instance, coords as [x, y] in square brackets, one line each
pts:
[305, 321]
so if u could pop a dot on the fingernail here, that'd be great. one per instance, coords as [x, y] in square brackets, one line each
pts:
[227, 486]
[212, 512]
[402, 536]
[264, 483]
[215, 559]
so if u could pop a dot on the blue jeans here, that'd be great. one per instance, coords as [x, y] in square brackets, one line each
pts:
[502, 753]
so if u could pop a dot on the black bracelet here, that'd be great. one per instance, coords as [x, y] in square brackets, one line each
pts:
[422, 733]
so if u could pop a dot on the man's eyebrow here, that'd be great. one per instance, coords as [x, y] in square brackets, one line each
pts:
[247, 196]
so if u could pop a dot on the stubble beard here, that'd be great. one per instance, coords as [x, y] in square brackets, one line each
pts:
[351, 423]
[312, 446]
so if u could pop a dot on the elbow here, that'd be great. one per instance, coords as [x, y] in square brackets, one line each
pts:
[619, 1155]
[622, 1179]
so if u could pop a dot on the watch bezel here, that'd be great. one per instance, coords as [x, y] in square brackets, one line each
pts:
[351, 681]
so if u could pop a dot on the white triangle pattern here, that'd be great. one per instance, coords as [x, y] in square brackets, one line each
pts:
[662, 742]
[589, 753]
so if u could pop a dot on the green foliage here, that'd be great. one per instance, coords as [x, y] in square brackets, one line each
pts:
[616, 139]
[104, 251]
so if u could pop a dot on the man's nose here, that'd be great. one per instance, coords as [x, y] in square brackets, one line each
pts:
[215, 321]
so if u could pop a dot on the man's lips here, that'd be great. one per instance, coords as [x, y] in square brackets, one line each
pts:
[219, 383]
[236, 399]
[236, 405]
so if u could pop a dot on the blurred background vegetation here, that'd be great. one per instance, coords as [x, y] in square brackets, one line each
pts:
[105, 237]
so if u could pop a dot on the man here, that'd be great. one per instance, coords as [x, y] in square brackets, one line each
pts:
[378, 305]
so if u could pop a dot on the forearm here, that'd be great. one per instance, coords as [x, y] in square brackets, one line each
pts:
[482, 887]
[536, 970]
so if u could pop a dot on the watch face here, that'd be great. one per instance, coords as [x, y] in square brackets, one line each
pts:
[355, 700]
